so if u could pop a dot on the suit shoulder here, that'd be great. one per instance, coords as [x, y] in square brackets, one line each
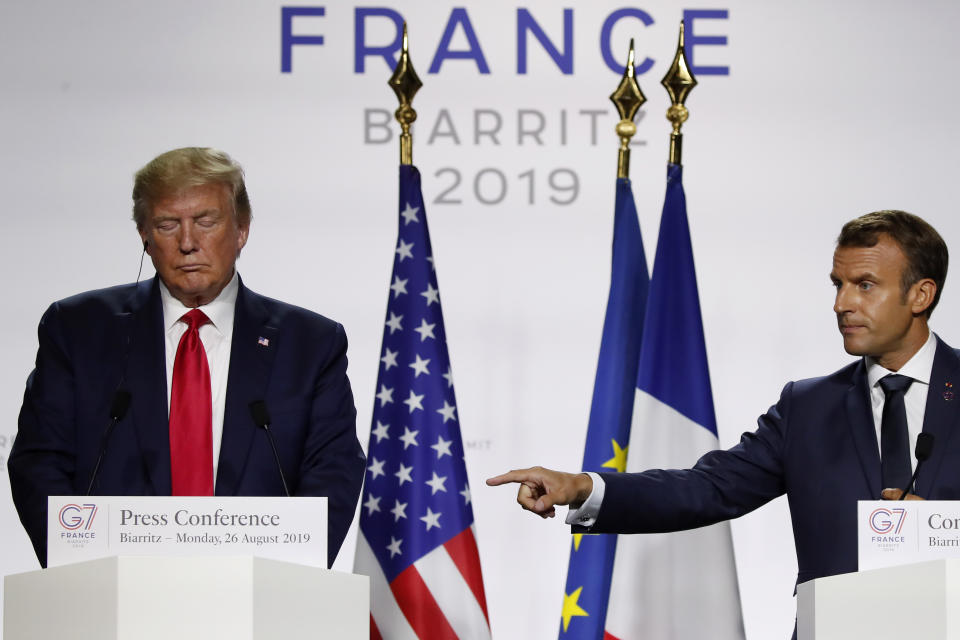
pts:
[840, 379]
[291, 316]
[108, 300]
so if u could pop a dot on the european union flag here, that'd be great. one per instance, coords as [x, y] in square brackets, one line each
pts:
[608, 431]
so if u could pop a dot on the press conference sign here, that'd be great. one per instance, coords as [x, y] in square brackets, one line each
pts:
[895, 533]
[87, 527]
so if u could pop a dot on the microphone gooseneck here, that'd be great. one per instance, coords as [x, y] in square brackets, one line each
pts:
[261, 418]
[119, 406]
[922, 452]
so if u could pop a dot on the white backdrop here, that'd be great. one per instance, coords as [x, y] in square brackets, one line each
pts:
[829, 110]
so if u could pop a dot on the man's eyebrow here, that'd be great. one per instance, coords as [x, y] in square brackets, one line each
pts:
[860, 277]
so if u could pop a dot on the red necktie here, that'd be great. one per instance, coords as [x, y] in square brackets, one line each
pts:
[191, 414]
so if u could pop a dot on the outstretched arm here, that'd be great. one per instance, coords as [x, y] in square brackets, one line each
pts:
[542, 489]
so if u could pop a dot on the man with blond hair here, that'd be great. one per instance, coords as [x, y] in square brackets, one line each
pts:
[163, 387]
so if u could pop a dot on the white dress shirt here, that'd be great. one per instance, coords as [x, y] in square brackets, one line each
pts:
[919, 367]
[216, 336]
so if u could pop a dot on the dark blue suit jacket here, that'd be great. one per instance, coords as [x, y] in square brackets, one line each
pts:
[818, 445]
[97, 342]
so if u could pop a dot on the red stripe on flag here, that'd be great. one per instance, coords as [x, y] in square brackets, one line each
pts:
[417, 603]
[609, 636]
[463, 550]
[374, 632]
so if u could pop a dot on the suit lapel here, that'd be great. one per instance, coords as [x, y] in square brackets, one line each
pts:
[860, 419]
[251, 361]
[146, 378]
[941, 413]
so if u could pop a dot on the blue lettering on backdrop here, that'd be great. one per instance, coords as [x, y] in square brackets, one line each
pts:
[526, 25]
[287, 39]
[360, 48]
[459, 17]
[525, 22]
[617, 65]
[692, 41]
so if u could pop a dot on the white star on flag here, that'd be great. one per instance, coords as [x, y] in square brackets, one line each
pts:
[399, 286]
[403, 474]
[425, 330]
[431, 519]
[394, 323]
[432, 295]
[372, 504]
[442, 447]
[409, 438]
[399, 510]
[436, 483]
[447, 411]
[380, 431]
[389, 359]
[466, 494]
[404, 250]
[419, 366]
[376, 468]
[410, 214]
[385, 395]
[394, 546]
[414, 401]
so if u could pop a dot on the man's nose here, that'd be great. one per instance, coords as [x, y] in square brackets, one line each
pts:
[844, 301]
[188, 243]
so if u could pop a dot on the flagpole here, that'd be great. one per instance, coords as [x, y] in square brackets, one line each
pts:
[678, 82]
[405, 83]
[627, 98]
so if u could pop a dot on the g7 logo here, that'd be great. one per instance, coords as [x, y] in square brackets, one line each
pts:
[884, 520]
[72, 517]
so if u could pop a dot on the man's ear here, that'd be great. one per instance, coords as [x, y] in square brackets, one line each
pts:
[242, 238]
[143, 239]
[922, 294]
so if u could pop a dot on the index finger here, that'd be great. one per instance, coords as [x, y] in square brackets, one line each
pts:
[517, 475]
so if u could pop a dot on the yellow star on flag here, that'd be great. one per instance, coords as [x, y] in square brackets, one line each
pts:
[571, 608]
[577, 537]
[619, 459]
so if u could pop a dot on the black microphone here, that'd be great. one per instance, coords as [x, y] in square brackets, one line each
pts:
[118, 409]
[923, 450]
[261, 417]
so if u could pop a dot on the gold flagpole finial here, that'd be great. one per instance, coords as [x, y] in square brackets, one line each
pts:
[678, 82]
[405, 84]
[627, 99]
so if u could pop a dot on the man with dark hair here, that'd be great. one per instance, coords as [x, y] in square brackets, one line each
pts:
[191, 350]
[829, 441]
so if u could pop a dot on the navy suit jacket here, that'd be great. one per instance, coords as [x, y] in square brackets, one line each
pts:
[818, 445]
[97, 342]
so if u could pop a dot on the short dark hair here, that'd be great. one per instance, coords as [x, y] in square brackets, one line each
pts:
[925, 250]
[180, 169]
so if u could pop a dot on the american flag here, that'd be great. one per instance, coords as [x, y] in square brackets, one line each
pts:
[416, 539]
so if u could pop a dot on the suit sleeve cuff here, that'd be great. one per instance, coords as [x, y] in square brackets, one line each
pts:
[586, 515]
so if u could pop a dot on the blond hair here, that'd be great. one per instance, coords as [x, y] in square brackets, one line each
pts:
[173, 171]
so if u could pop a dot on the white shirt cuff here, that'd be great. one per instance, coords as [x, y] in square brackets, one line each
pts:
[586, 515]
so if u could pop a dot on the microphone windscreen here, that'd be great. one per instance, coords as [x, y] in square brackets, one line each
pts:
[258, 409]
[924, 446]
[120, 404]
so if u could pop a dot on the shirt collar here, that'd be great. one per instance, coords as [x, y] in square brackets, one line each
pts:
[219, 310]
[919, 367]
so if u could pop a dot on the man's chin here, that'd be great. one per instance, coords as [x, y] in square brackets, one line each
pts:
[854, 348]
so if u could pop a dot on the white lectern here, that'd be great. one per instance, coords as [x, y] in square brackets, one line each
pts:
[919, 600]
[147, 598]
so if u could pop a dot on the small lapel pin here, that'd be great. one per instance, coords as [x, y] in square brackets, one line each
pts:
[263, 342]
[948, 394]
